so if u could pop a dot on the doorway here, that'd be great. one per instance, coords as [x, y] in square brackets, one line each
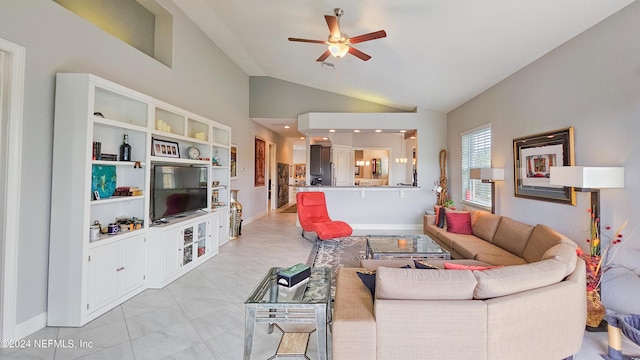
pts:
[272, 178]
[12, 62]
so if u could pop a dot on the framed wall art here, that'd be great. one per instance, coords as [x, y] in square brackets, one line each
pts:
[533, 157]
[165, 148]
[233, 166]
[259, 178]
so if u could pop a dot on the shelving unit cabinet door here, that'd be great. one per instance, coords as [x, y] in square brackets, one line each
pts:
[172, 253]
[202, 239]
[134, 256]
[223, 227]
[187, 235]
[103, 282]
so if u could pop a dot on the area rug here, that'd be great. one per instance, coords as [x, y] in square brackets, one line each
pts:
[339, 252]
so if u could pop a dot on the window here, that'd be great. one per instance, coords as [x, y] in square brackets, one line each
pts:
[476, 153]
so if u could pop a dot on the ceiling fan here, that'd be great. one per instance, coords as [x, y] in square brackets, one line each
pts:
[339, 42]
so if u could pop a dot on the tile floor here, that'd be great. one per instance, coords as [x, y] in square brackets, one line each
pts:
[201, 315]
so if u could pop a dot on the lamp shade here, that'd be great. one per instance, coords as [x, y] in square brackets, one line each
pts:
[491, 174]
[587, 177]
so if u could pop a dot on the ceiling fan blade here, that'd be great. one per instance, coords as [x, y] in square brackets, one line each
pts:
[308, 41]
[334, 28]
[366, 37]
[324, 56]
[359, 54]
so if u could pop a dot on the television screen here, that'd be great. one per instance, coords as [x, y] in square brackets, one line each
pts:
[177, 189]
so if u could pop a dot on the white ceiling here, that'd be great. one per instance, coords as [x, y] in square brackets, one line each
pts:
[437, 55]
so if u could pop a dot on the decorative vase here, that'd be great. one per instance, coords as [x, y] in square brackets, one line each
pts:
[235, 215]
[595, 308]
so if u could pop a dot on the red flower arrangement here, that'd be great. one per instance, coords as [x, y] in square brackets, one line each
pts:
[596, 262]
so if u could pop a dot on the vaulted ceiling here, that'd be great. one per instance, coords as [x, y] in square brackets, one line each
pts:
[437, 55]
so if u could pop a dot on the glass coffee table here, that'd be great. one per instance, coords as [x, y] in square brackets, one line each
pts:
[404, 246]
[308, 302]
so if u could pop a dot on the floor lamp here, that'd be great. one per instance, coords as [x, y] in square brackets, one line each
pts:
[592, 179]
[488, 175]
[588, 179]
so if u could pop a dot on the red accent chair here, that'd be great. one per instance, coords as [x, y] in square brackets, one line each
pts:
[313, 216]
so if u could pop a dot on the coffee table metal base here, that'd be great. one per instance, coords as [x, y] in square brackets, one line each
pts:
[313, 309]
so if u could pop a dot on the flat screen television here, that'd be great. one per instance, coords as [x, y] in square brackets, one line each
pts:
[177, 190]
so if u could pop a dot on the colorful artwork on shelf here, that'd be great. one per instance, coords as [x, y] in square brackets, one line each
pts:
[103, 181]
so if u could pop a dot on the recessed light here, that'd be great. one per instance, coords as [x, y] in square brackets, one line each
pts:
[356, 130]
[332, 130]
[287, 127]
[403, 131]
[378, 130]
[301, 137]
[325, 138]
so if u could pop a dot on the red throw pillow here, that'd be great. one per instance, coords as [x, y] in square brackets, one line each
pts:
[452, 266]
[459, 223]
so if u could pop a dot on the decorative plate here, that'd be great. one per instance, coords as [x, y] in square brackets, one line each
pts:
[103, 180]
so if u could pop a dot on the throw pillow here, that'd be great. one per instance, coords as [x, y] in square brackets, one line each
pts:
[441, 217]
[459, 223]
[368, 278]
[421, 264]
[452, 266]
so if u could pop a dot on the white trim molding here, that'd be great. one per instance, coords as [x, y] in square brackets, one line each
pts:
[11, 207]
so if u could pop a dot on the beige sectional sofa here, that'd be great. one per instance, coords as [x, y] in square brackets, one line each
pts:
[532, 306]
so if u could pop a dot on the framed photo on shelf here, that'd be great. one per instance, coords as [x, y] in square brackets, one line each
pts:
[234, 161]
[165, 148]
[533, 157]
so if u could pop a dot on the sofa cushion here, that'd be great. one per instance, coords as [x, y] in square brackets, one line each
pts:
[459, 223]
[542, 238]
[565, 252]
[504, 259]
[456, 266]
[518, 278]
[396, 263]
[368, 278]
[512, 235]
[471, 246]
[440, 234]
[484, 224]
[415, 284]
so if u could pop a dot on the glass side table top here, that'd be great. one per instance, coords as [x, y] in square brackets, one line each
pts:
[404, 246]
[314, 290]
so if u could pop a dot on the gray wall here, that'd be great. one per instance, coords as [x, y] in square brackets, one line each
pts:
[124, 19]
[202, 80]
[592, 83]
[275, 98]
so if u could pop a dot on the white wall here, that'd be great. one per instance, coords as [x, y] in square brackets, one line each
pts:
[592, 83]
[432, 135]
[203, 80]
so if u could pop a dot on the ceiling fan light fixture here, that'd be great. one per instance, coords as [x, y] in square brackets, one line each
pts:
[338, 50]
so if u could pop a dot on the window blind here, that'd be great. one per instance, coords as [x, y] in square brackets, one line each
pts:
[476, 153]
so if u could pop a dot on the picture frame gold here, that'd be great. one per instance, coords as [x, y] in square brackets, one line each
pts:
[533, 155]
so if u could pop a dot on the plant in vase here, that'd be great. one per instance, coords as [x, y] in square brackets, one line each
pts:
[596, 265]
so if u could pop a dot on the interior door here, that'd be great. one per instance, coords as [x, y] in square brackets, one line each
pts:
[343, 165]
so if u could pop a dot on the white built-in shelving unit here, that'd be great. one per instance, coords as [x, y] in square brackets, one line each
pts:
[88, 277]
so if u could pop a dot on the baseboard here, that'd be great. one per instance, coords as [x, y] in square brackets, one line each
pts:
[388, 227]
[246, 221]
[30, 326]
